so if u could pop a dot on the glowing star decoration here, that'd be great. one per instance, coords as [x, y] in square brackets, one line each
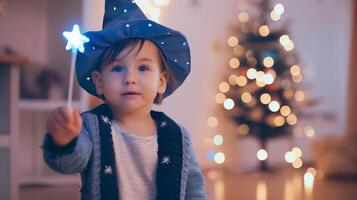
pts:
[75, 41]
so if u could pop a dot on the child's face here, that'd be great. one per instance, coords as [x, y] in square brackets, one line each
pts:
[138, 72]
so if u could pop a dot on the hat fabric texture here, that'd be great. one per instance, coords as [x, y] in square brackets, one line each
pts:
[123, 19]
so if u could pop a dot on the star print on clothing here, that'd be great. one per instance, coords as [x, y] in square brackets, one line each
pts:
[106, 120]
[163, 124]
[108, 170]
[165, 160]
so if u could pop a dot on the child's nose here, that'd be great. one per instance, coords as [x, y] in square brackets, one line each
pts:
[130, 78]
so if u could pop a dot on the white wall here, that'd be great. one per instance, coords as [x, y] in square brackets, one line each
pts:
[321, 32]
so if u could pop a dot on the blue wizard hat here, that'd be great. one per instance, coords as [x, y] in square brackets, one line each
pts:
[123, 20]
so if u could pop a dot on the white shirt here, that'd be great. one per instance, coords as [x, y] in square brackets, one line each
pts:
[136, 161]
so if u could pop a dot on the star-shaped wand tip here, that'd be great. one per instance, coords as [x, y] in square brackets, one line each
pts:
[75, 39]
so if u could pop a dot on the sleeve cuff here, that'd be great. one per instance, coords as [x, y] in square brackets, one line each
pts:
[52, 147]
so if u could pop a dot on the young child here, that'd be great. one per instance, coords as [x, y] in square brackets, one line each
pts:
[122, 148]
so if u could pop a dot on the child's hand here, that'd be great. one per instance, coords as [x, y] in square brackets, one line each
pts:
[64, 124]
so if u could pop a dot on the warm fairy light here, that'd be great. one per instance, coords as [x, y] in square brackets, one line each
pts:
[297, 79]
[265, 98]
[233, 41]
[252, 73]
[232, 79]
[309, 132]
[312, 171]
[242, 81]
[212, 122]
[291, 119]
[219, 158]
[295, 70]
[246, 97]
[288, 93]
[274, 106]
[223, 87]
[264, 30]
[234, 63]
[238, 50]
[249, 54]
[262, 154]
[260, 83]
[289, 46]
[299, 96]
[297, 152]
[220, 97]
[297, 163]
[269, 78]
[279, 8]
[268, 61]
[252, 61]
[284, 40]
[228, 104]
[279, 121]
[272, 72]
[243, 17]
[308, 180]
[260, 76]
[285, 111]
[243, 129]
[290, 157]
[218, 140]
[275, 16]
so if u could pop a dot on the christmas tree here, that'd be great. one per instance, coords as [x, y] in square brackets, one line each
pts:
[261, 93]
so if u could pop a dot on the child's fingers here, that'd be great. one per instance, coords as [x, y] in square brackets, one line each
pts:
[77, 118]
[67, 113]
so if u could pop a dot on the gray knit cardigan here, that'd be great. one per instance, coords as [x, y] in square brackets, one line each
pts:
[83, 155]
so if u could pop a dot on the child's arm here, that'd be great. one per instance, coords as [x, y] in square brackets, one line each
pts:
[67, 146]
[195, 186]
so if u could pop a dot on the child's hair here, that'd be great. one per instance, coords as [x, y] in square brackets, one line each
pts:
[112, 52]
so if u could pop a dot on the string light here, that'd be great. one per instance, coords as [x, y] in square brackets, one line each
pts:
[219, 158]
[292, 119]
[299, 96]
[285, 111]
[223, 87]
[265, 98]
[252, 73]
[309, 132]
[218, 140]
[297, 163]
[234, 63]
[212, 122]
[262, 154]
[274, 106]
[220, 97]
[242, 81]
[264, 30]
[233, 41]
[232, 79]
[279, 121]
[279, 8]
[275, 16]
[228, 104]
[243, 129]
[290, 157]
[268, 61]
[243, 17]
[246, 97]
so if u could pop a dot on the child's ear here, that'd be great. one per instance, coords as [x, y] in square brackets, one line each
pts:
[98, 82]
[162, 83]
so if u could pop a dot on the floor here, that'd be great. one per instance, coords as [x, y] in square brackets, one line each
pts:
[286, 184]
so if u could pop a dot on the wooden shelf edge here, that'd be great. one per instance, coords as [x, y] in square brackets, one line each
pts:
[14, 59]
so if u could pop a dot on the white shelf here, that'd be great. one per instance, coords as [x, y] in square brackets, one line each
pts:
[53, 180]
[45, 104]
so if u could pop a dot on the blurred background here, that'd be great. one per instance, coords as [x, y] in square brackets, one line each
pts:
[271, 101]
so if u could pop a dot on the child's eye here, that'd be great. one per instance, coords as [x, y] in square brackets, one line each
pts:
[143, 68]
[117, 69]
